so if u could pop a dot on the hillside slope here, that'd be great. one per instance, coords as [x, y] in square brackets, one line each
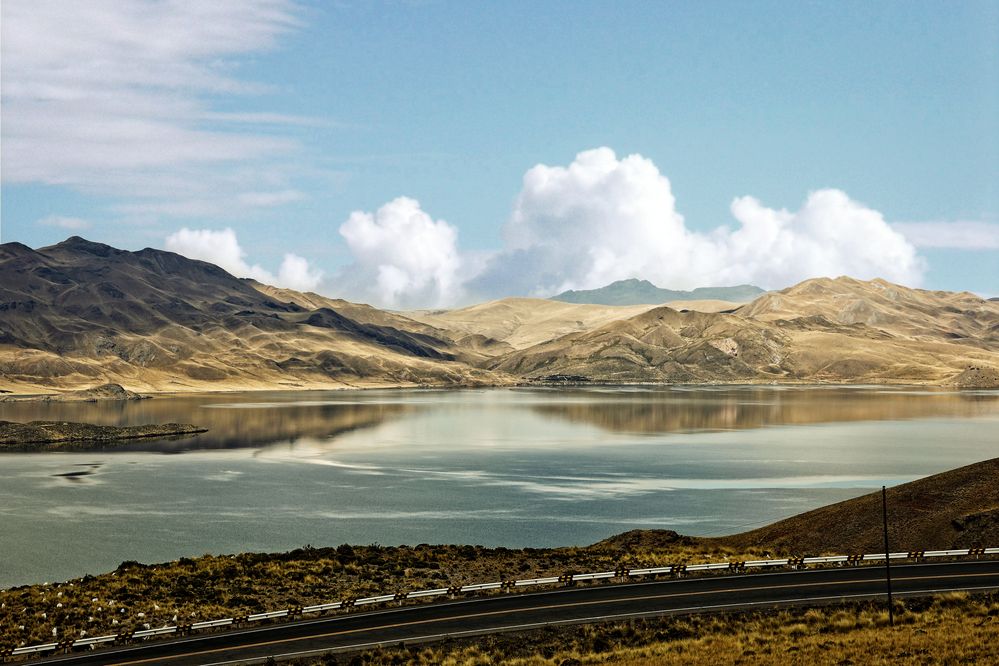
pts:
[822, 330]
[522, 322]
[78, 313]
[912, 313]
[955, 509]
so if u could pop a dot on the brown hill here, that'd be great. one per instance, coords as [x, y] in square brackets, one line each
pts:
[79, 311]
[900, 311]
[823, 330]
[660, 345]
[518, 323]
[955, 509]
[522, 322]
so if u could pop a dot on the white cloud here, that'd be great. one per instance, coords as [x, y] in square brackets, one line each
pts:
[113, 97]
[221, 247]
[959, 235]
[296, 273]
[402, 256]
[603, 219]
[830, 235]
[62, 222]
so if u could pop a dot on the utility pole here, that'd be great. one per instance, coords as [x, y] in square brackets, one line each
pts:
[884, 517]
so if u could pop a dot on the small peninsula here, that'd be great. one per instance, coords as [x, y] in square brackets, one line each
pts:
[49, 435]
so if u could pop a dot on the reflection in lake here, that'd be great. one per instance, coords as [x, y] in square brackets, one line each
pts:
[232, 421]
[685, 410]
[514, 467]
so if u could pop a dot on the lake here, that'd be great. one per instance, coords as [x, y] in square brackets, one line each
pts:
[511, 467]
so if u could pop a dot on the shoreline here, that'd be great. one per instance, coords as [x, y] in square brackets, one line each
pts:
[12, 397]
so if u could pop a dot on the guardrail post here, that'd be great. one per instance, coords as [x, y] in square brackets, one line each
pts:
[884, 515]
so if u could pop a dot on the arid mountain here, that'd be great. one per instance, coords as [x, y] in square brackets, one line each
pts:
[910, 313]
[637, 292]
[79, 313]
[661, 345]
[822, 330]
[522, 322]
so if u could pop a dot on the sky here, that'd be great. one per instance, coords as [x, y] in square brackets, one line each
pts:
[430, 154]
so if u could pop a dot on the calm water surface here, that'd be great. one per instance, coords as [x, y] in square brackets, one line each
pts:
[513, 467]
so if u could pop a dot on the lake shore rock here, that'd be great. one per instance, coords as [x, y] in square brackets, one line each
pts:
[42, 435]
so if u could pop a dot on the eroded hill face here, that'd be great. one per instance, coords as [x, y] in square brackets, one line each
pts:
[900, 311]
[80, 313]
[822, 330]
[519, 323]
[522, 322]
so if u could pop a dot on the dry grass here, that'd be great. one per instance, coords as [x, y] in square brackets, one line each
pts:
[952, 629]
[137, 596]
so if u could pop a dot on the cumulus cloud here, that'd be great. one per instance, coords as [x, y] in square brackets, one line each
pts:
[63, 222]
[958, 235]
[221, 247]
[602, 219]
[114, 97]
[402, 256]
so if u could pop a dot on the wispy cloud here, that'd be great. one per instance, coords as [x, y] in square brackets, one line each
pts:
[115, 98]
[62, 222]
[958, 235]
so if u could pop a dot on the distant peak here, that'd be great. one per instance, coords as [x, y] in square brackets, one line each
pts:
[635, 291]
[79, 244]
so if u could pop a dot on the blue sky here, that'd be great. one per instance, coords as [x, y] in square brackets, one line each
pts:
[270, 129]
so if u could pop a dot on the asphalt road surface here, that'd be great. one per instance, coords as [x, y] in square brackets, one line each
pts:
[513, 612]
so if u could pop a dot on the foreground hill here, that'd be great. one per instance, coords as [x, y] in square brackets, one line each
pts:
[637, 292]
[79, 311]
[822, 330]
[955, 509]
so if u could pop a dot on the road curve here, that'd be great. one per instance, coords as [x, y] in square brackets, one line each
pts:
[511, 612]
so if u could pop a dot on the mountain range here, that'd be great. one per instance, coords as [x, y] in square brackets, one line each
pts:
[637, 292]
[79, 313]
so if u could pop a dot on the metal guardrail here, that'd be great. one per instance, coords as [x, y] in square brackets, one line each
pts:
[620, 572]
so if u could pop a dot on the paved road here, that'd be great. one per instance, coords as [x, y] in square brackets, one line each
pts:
[512, 612]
